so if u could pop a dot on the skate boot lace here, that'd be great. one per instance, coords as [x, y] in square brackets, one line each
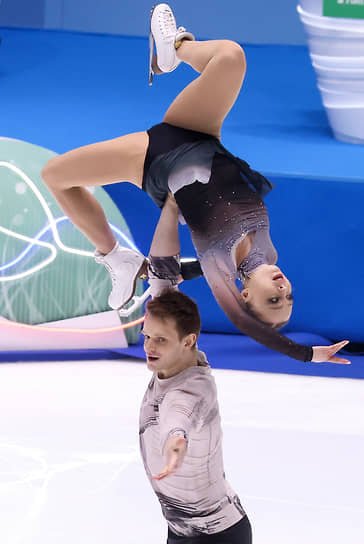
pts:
[167, 23]
[111, 272]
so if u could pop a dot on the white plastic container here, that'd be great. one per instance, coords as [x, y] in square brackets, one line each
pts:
[333, 37]
[340, 73]
[331, 23]
[338, 61]
[337, 52]
[347, 123]
[341, 85]
[341, 98]
[311, 6]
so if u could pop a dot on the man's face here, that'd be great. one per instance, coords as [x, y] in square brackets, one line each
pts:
[166, 353]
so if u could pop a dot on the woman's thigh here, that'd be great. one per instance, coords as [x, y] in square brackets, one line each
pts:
[103, 163]
[206, 101]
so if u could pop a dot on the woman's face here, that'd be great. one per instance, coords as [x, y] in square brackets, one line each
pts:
[269, 294]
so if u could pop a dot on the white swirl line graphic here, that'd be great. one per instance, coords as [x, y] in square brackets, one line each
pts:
[46, 209]
[52, 226]
[35, 242]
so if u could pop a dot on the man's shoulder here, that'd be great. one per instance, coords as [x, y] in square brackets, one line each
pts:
[197, 381]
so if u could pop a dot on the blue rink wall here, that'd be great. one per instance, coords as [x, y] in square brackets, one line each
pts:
[246, 21]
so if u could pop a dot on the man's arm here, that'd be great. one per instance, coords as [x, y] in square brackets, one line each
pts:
[165, 241]
[166, 270]
[174, 453]
[181, 412]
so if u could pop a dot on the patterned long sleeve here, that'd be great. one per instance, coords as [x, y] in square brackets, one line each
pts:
[182, 411]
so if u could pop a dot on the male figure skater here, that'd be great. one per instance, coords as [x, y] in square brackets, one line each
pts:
[180, 430]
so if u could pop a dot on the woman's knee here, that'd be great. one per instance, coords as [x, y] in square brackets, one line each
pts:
[51, 174]
[233, 53]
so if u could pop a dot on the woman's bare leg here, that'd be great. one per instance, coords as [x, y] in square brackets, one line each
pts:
[112, 161]
[204, 103]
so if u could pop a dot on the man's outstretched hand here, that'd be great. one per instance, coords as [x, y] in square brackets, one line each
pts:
[175, 451]
[326, 354]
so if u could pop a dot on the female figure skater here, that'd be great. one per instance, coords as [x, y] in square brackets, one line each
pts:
[218, 195]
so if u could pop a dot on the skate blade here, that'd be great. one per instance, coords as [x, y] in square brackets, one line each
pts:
[151, 48]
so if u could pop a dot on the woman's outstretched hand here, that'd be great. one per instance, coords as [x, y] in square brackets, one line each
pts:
[175, 451]
[326, 354]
